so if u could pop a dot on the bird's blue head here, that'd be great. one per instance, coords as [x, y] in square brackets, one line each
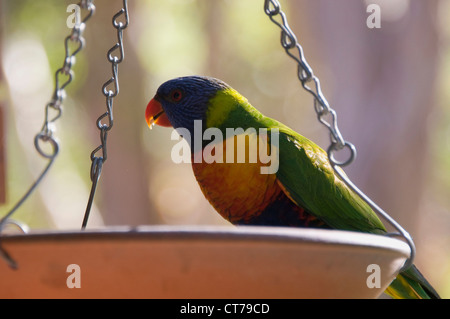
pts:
[181, 101]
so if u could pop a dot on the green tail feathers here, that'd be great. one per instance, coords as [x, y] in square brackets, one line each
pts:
[411, 284]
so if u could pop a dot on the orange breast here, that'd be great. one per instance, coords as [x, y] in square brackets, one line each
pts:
[238, 191]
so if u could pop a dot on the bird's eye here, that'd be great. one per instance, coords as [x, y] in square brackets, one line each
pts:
[176, 95]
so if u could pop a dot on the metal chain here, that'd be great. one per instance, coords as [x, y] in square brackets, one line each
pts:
[97, 161]
[77, 40]
[63, 76]
[306, 75]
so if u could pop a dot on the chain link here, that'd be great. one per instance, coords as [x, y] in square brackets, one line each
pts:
[309, 81]
[54, 105]
[63, 76]
[306, 75]
[110, 94]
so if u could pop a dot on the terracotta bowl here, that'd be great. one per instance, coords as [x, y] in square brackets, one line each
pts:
[200, 262]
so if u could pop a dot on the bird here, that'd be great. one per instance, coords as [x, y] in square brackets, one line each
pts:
[301, 189]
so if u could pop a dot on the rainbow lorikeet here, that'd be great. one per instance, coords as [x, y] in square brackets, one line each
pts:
[301, 190]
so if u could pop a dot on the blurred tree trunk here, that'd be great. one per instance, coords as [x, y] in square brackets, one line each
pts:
[123, 187]
[382, 82]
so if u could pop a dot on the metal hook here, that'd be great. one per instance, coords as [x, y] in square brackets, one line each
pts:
[3, 253]
[96, 170]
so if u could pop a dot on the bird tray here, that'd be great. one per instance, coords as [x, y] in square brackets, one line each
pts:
[200, 262]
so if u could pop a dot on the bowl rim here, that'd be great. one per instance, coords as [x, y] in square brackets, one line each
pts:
[219, 233]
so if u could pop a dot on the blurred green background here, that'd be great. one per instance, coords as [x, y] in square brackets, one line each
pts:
[389, 86]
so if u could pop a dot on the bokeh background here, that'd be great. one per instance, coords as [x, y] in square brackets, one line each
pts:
[390, 87]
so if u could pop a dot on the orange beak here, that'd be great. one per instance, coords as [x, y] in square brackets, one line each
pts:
[154, 114]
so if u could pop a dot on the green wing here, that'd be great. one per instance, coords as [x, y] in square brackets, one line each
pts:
[309, 180]
[305, 172]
